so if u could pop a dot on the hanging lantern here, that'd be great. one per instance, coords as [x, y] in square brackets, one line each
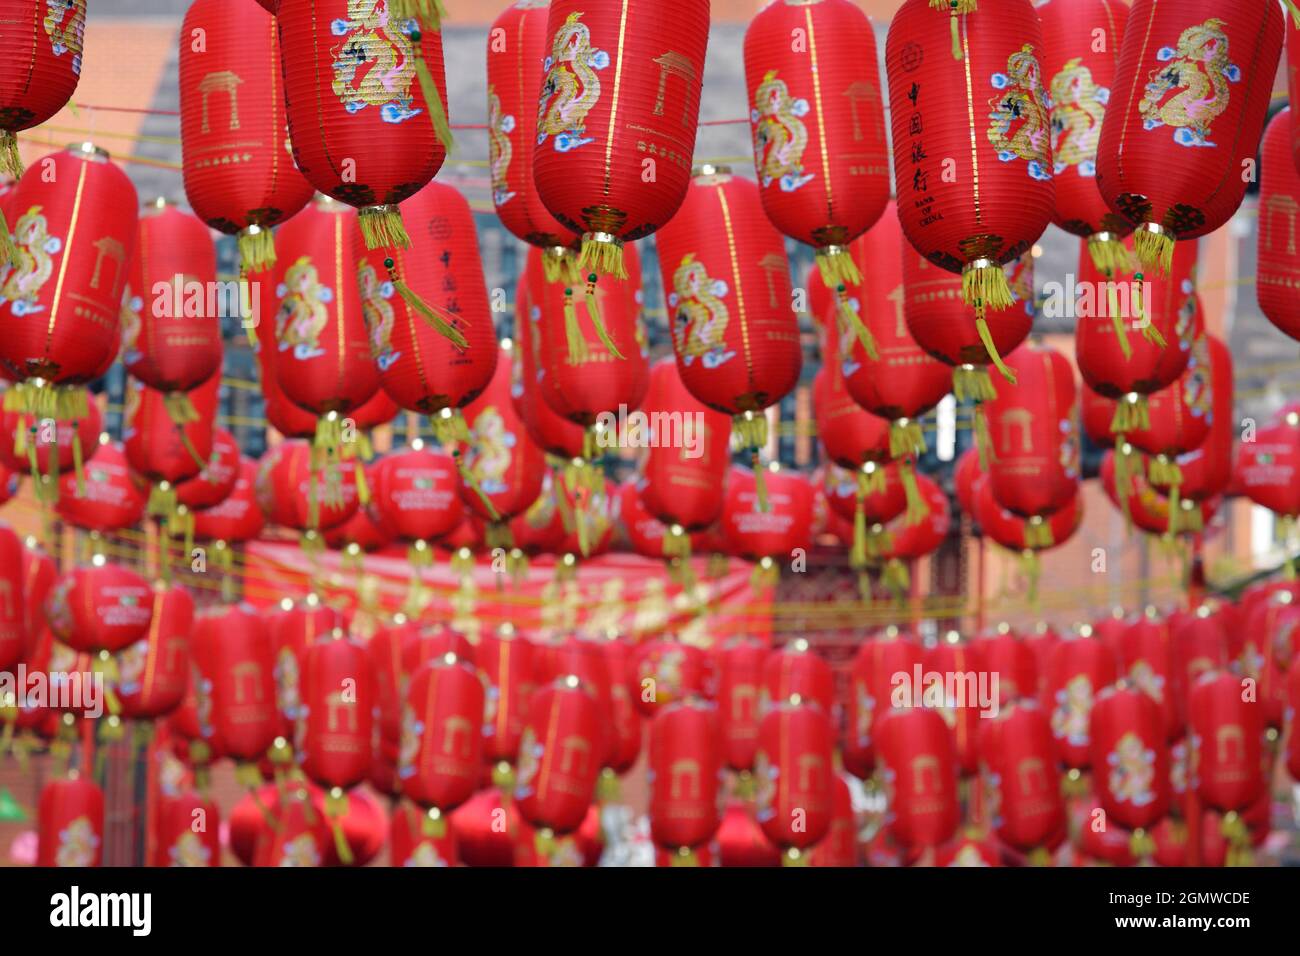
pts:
[1130, 762]
[1147, 657]
[1277, 274]
[1081, 46]
[506, 664]
[1172, 172]
[869, 698]
[152, 672]
[1034, 469]
[961, 712]
[13, 614]
[360, 139]
[625, 726]
[215, 483]
[1018, 757]
[173, 344]
[70, 822]
[965, 476]
[946, 327]
[588, 518]
[685, 778]
[415, 492]
[792, 773]
[557, 769]
[442, 750]
[768, 536]
[1019, 534]
[111, 500]
[74, 228]
[236, 664]
[674, 671]
[911, 542]
[240, 177]
[548, 430]
[998, 198]
[298, 835]
[42, 53]
[919, 771]
[1200, 646]
[1206, 470]
[294, 494]
[1227, 733]
[238, 517]
[620, 97]
[1078, 668]
[796, 670]
[817, 121]
[514, 89]
[177, 841]
[740, 672]
[56, 445]
[741, 841]
[322, 357]
[1006, 654]
[162, 450]
[100, 606]
[735, 333]
[297, 626]
[1147, 508]
[1269, 469]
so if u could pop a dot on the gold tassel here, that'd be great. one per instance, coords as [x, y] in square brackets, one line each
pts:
[677, 543]
[1117, 320]
[1286, 528]
[471, 482]
[78, 463]
[1164, 471]
[602, 253]
[11, 161]
[954, 32]
[593, 311]
[983, 283]
[1141, 844]
[972, 383]
[852, 320]
[382, 228]
[1124, 480]
[440, 323]
[363, 486]
[572, 332]
[1154, 247]
[1149, 330]
[858, 551]
[917, 508]
[8, 251]
[1295, 12]
[560, 264]
[897, 579]
[256, 245]
[983, 440]
[428, 12]
[432, 99]
[182, 412]
[1109, 255]
[957, 6]
[1132, 413]
[684, 856]
[905, 438]
[836, 265]
[1038, 533]
[1031, 569]
[796, 857]
[982, 327]
[336, 807]
[246, 298]
[749, 431]
[765, 575]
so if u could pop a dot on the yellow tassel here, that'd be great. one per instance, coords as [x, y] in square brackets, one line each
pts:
[972, 383]
[559, 264]
[78, 464]
[765, 575]
[1109, 255]
[603, 254]
[440, 323]
[437, 109]
[760, 482]
[245, 298]
[1141, 844]
[593, 311]
[957, 6]
[858, 551]
[796, 857]
[749, 432]
[382, 227]
[1038, 534]
[256, 245]
[471, 482]
[10, 160]
[955, 35]
[1124, 480]
[1154, 247]
[982, 327]
[8, 251]
[363, 486]
[336, 807]
[852, 320]
[917, 507]
[572, 332]
[1030, 567]
[1286, 529]
[1164, 471]
[1295, 12]
[905, 438]
[677, 543]
[984, 283]
[428, 12]
[836, 265]
[684, 856]
[983, 440]
[897, 579]
[1149, 330]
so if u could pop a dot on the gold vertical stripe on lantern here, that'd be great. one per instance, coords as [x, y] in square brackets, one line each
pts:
[821, 113]
[735, 278]
[613, 109]
[67, 256]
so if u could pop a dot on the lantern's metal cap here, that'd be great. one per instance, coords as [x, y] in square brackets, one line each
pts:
[88, 150]
[710, 169]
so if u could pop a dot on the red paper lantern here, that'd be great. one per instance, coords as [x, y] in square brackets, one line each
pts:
[1007, 656]
[558, 756]
[298, 837]
[686, 784]
[70, 824]
[1227, 734]
[625, 726]
[616, 119]
[984, 111]
[871, 682]
[152, 673]
[911, 542]
[551, 432]
[1081, 45]
[1206, 470]
[295, 494]
[41, 53]
[1130, 762]
[1078, 667]
[163, 444]
[416, 841]
[1264, 649]
[796, 670]
[775, 533]
[1277, 273]
[238, 517]
[818, 126]
[73, 229]
[39, 574]
[236, 663]
[741, 841]
[216, 482]
[1019, 757]
[1013, 532]
[671, 671]
[725, 273]
[1171, 171]
[100, 606]
[1034, 469]
[919, 768]
[235, 156]
[187, 831]
[1270, 467]
[959, 705]
[965, 477]
[172, 343]
[13, 612]
[506, 664]
[51, 443]
[793, 775]
[442, 744]
[517, 42]
[1147, 658]
[337, 716]
[740, 672]
[415, 491]
[297, 626]
[360, 138]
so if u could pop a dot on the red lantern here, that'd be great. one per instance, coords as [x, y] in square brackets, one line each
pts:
[1172, 172]
[999, 197]
[239, 175]
[216, 482]
[13, 613]
[480, 841]
[417, 841]
[920, 776]
[187, 831]
[518, 42]
[174, 343]
[152, 673]
[793, 775]
[1227, 734]
[911, 542]
[442, 744]
[296, 627]
[724, 270]
[73, 231]
[741, 841]
[1130, 762]
[551, 432]
[965, 477]
[686, 782]
[323, 359]
[625, 726]
[162, 443]
[362, 140]
[1206, 470]
[18, 429]
[1081, 45]
[558, 764]
[740, 672]
[236, 663]
[1018, 534]
[428, 363]
[100, 606]
[772, 534]
[796, 670]
[1278, 264]
[1200, 645]
[71, 824]
[506, 664]
[238, 517]
[298, 836]
[1270, 467]
[1019, 758]
[621, 95]
[42, 57]
[415, 491]
[1265, 648]
[1034, 470]
[960, 708]
[294, 494]
[818, 126]
[870, 685]
[1008, 658]
[336, 719]
[1147, 658]
[1079, 667]
[673, 671]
